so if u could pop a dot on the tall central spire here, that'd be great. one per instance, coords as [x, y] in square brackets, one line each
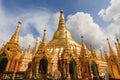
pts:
[61, 24]
[15, 36]
[60, 35]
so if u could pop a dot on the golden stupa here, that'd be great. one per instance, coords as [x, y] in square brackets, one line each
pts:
[59, 36]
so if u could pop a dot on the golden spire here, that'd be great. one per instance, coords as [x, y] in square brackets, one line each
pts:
[117, 47]
[111, 52]
[83, 47]
[44, 38]
[61, 24]
[118, 43]
[35, 48]
[42, 46]
[59, 36]
[101, 56]
[94, 53]
[83, 44]
[60, 33]
[15, 36]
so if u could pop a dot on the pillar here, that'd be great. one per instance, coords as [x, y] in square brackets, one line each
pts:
[8, 65]
[90, 71]
[12, 65]
[16, 66]
[50, 67]
[64, 69]
[79, 71]
[37, 68]
[68, 73]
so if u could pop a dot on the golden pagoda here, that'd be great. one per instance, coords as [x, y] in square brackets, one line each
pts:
[61, 58]
[12, 51]
[113, 61]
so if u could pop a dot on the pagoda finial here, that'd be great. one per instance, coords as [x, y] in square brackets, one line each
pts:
[94, 53]
[117, 40]
[35, 48]
[61, 11]
[83, 44]
[101, 56]
[82, 38]
[118, 50]
[111, 52]
[44, 37]
[61, 24]
[15, 36]
[118, 43]
[83, 47]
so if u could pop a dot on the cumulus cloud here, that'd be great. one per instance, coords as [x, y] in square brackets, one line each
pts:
[82, 24]
[27, 40]
[79, 24]
[40, 20]
[112, 15]
[112, 12]
[37, 19]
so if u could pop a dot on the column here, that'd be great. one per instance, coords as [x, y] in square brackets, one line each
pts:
[90, 71]
[16, 66]
[50, 67]
[12, 65]
[8, 65]
[37, 68]
[68, 73]
[79, 71]
[64, 69]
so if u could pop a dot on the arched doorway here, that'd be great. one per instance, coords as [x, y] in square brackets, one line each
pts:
[72, 70]
[95, 71]
[43, 66]
[3, 63]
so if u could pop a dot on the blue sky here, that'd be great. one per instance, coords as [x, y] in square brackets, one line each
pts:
[94, 19]
[69, 6]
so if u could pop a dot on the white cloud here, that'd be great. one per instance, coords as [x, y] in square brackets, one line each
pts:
[27, 40]
[79, 24]
[112, 12]
[39, 19]
[83, 24]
